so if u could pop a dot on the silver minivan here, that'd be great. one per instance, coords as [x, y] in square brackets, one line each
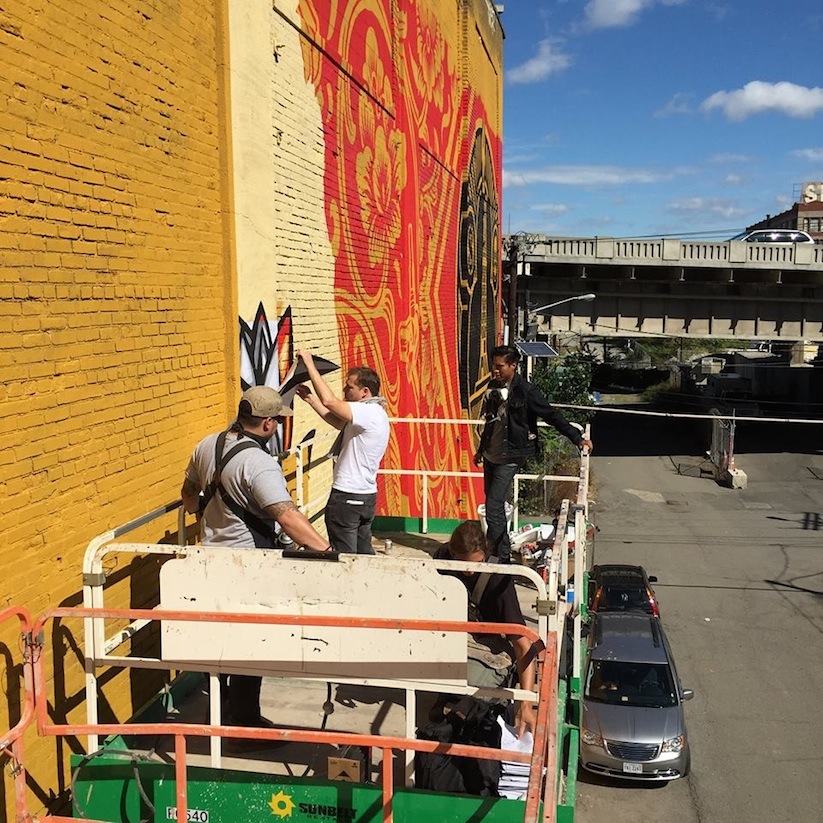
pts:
[633, 725]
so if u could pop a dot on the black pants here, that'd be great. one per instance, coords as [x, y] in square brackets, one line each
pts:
[498, 479]
[244, 699]
[348, 521]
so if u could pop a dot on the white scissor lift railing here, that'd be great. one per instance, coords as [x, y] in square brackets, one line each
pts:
[201, 649]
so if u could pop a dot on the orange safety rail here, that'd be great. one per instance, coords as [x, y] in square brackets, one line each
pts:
[545, 735]
[12, 740]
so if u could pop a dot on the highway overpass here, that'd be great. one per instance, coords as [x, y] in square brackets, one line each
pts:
[689, 288]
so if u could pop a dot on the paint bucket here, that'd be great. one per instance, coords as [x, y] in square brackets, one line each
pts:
[481, 513]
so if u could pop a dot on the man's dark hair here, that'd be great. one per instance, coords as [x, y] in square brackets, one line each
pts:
[245, 418]
[366, 378]
[467, 539]
[510, 353]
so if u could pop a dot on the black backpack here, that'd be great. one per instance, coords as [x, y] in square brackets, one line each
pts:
[472, 722]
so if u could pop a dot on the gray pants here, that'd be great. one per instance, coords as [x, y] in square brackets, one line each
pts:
[348, 521]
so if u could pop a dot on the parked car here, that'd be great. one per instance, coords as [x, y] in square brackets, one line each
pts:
[633, 726]
[774, 236]
[621, 588]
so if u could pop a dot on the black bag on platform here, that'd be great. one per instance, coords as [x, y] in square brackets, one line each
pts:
[471, 722]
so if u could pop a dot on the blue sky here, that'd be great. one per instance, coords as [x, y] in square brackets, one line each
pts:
[647, 117]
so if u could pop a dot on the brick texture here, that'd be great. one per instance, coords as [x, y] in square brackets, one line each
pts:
[114, 357]
[134, 233]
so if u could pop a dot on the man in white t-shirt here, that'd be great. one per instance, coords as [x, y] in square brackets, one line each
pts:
[363, 423]
[239, 489]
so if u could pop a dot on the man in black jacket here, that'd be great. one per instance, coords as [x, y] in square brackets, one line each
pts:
[511, 411]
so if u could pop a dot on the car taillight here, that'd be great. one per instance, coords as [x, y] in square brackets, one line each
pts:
[653, 602]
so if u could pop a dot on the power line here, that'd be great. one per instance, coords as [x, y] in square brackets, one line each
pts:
[735, 418]
[706, 233]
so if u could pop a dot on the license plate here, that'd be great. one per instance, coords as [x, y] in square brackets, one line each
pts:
[633, 768]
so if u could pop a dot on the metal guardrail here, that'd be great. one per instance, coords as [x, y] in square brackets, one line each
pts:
[11, 742]
[303, 465]
[544, 754]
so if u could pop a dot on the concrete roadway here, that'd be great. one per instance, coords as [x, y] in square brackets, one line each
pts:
[741, 594]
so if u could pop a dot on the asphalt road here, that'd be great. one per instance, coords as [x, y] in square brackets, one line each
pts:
[741, 596]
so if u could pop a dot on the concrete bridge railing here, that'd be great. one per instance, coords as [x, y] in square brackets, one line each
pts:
[674, 252]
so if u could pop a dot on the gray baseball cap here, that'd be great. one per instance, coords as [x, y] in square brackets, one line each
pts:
[263, 401]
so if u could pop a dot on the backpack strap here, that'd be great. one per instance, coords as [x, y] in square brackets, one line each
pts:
[476, 594]
[220, 462]
[257, 526]
[261, 531]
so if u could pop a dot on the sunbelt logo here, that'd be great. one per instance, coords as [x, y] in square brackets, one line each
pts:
[321, 810]
[281, 805]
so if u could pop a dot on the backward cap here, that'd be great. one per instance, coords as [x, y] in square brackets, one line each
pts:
[263, 401]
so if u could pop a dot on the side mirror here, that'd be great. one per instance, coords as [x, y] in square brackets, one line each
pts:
[686, 694]
[652, 578]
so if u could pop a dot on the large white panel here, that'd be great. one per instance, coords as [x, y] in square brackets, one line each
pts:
[263, 582]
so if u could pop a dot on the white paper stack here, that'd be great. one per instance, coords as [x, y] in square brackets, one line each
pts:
[514, 779]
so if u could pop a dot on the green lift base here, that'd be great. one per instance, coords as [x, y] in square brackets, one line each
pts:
[107, 789]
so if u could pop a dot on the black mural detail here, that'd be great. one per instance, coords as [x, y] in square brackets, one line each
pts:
[478, 275]
[264, 349]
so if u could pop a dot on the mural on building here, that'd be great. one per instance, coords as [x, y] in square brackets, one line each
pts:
[477, 285]
[410, 196]
[266, 355]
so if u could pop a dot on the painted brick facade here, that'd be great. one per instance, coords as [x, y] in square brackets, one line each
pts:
[371, 223]
[172, 169]
[114, 339]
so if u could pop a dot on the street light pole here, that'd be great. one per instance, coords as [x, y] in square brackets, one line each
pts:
[532, 313]
[511, 312]
[585, 297]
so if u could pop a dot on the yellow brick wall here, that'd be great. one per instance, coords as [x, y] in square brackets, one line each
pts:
[117, 301]
[145, 209]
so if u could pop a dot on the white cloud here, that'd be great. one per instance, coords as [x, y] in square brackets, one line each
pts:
[584, 176]
[732, 180]
[551, 208]
[729, 157]
[717, 11]
[548, 60]
[758, 97]
[604, 14]
[679, 104]
[813, 155]
[511, 159]
[706, 205]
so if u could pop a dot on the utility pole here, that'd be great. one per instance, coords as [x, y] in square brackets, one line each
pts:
[516, 247]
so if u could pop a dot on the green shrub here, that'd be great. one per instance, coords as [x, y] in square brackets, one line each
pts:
[565, 380]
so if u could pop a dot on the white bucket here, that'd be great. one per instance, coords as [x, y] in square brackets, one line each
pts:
[481, 513]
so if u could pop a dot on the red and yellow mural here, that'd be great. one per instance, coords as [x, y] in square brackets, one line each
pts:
[411, 189]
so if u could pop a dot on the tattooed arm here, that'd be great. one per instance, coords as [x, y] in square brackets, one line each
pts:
[297, 526]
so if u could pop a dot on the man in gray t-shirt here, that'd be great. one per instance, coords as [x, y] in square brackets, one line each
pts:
[252, 494]
[239, 489]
